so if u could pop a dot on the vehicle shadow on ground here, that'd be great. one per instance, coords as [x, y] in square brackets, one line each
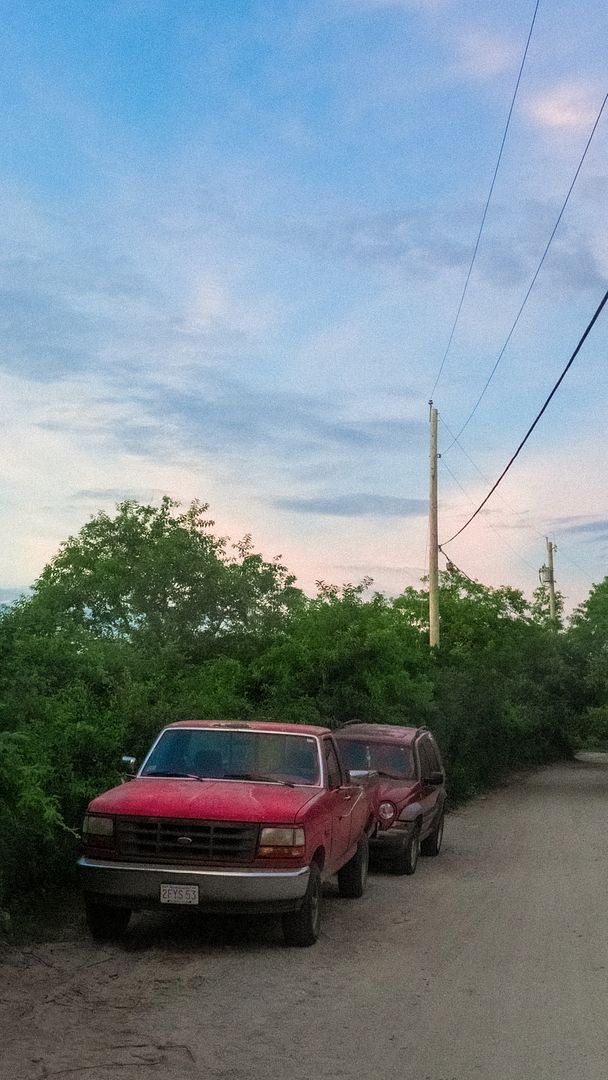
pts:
[181, 931]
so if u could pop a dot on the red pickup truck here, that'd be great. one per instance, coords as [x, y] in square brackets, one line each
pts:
[243, 817]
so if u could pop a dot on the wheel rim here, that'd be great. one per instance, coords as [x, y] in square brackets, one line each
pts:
[439, 839]
[414, 848]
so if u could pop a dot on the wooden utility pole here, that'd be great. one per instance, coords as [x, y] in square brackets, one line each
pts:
[433, 537]
[551, 582]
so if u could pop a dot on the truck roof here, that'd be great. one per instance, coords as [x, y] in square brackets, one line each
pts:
[254, 725]
[378, 732]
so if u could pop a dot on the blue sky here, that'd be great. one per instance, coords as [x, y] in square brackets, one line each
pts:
[234, 238]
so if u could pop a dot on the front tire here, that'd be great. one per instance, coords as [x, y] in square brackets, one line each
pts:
[432, 845]
[106, 922]
[301, 928]
[352, 877]
[405, 859]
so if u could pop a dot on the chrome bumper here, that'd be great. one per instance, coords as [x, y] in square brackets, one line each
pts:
[137, 885]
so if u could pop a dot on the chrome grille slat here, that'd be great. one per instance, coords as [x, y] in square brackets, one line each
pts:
[210, 841]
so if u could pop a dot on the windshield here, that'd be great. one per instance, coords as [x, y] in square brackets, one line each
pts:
[387, 759]
[235, 755]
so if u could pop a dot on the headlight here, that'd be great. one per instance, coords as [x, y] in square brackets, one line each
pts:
[96, 825]
[279, 843]
[387, 812]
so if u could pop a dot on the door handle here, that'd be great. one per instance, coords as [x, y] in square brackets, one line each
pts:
[347, 798]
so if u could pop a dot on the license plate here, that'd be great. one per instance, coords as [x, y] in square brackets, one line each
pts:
[179, 894]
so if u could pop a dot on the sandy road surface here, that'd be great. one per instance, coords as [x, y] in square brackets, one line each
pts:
[492, 962]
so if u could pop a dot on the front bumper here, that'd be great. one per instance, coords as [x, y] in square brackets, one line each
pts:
[389, 839]
[137, 886]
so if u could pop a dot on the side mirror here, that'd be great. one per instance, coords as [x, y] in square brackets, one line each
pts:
[434, 779]
[361, 776]
[130, 764]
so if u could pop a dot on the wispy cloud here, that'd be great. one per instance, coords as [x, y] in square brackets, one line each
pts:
[483, 55]
[596, 529]
[229, 270]
[362, 505]
[113, 495]
[411, 5]
[566, 106]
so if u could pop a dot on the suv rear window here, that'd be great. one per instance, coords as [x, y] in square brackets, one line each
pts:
[388, 759]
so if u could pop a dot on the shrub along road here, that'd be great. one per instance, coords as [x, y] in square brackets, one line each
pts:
[492, 962]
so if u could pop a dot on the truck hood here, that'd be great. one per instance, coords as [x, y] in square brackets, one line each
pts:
[207, 800]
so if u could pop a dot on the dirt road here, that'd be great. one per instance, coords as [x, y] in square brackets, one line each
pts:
[490, 964]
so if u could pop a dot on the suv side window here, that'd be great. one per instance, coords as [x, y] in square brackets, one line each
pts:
[434, 762]
[437, 753]
[334, 774]
[424, 757]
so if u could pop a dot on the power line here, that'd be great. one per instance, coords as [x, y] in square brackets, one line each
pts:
[513, 510]
[485, 211]
[533, 282]
[590, 326]
[492, 527]
[568, 558]
[463, 450]
[451, 565]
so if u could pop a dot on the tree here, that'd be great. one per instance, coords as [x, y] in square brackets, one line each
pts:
[346, 656]
[159, 577]
[540, 608]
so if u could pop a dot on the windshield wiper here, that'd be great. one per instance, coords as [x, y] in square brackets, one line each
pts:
[177, 775]
[389, 775]
[257, 776]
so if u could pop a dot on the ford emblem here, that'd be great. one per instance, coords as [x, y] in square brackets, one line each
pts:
[183, 841]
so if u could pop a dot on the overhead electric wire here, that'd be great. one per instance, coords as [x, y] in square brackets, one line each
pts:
[512, 509]
[451, 565]
[523, 442]
[493, 527]
[533, 282]
[487, 204]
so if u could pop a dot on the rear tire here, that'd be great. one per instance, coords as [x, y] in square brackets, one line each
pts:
[352, 877]
[432, 845]
[405, 859]
[106, 922]
[301, 928]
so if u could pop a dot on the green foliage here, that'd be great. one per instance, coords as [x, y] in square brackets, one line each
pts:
[33, 837]
[147, 617]
[346, 657]
[541, 608]
[503, 693]
[588, 640]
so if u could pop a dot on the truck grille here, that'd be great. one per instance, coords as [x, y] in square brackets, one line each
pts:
[186, 840]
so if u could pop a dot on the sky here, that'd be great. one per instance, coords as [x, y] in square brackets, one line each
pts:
[234, 235]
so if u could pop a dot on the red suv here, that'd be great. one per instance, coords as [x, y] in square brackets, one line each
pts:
[412, 788]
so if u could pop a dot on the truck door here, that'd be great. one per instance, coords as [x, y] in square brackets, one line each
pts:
[342, 802]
